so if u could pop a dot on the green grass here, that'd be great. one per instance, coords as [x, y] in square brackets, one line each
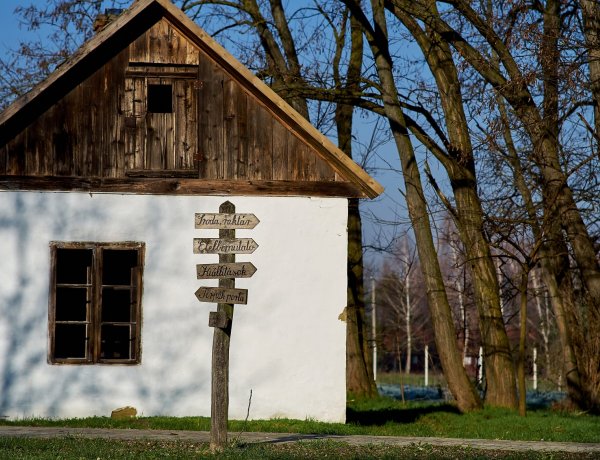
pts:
[385, 417]
[79, 448]
[393, 418]
[380, 416]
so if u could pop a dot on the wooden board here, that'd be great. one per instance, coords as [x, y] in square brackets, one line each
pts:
[224, 245]
[226, 221]
[229, 270]
[218, 319]
[222, 295]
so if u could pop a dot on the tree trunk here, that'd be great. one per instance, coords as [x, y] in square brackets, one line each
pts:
[407, 319]
[359, 368]
[554, 264]
[360, 381]
[560, 289]
[468, 215]
[441, 316]
[544, 324]
[464, 321]
[284, 68]
[522, 343]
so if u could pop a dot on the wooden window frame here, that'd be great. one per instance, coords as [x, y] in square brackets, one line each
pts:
[93, 312]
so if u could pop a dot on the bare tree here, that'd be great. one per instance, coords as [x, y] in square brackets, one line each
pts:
[401, 301]
[402, 306]
[441, 316]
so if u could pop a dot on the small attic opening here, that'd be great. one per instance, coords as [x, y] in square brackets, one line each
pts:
[160, 99]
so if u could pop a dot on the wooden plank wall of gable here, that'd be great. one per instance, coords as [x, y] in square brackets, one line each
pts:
[231, 134]
[260, 145]
[163, 43]
[112, 141]
[281, 165]
[167, 45]
[241, 139]
[216, 129]
[80, 135]
[211, 131]
[185, 94]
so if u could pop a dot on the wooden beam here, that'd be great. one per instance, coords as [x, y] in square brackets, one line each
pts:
[181, 186]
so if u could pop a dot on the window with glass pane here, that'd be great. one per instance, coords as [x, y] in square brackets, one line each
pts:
[95, 302]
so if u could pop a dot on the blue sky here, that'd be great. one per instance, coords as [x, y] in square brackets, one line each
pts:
[11, 32]
[9, 27]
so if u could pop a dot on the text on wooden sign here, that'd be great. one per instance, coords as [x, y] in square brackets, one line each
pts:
[222, 295]
[224, 245]
[229, 270]
[226, 221]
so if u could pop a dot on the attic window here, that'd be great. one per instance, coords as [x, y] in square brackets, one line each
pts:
[160, 98]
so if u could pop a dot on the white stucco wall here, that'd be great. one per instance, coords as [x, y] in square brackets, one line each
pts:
[288, 344]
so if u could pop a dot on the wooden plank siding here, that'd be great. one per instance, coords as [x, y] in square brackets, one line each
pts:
[212, 132]
[101, 134]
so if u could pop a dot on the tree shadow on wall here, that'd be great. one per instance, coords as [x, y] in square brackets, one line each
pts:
[27, 387]
[381, 416]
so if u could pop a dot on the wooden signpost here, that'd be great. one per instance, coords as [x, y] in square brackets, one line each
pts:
[226, 295]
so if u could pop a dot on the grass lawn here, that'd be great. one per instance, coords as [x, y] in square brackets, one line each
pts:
[94, 449]
[381, 416]
[385, 417]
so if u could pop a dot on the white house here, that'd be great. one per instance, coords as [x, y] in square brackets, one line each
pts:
[102, 169]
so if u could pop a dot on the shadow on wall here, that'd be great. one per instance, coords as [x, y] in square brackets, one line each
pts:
[29, 386]
[18, 320]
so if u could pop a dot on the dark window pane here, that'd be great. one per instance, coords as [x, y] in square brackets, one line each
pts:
[160, 98]
[117, 265]
[71, 304]
[70, 341]
[72, 265]
[116, 305]
[115, 342]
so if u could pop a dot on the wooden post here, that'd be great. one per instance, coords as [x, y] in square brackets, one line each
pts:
[535, 372]
[219, 409]
[374, 328]
[227, 245]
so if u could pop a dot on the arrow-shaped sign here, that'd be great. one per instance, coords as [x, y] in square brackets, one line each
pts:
[222, 295]
[230, 270]
[224, 245]
[226, 221]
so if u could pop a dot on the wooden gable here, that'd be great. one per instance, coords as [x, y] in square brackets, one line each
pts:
[151, 104]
